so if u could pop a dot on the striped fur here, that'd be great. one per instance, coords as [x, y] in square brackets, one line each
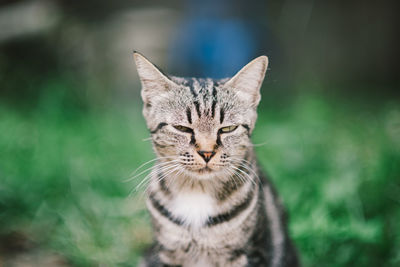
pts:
[210, 204]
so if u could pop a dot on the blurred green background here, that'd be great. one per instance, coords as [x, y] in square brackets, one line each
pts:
[71, 129]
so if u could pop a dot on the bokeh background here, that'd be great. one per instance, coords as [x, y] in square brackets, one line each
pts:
[71, 130]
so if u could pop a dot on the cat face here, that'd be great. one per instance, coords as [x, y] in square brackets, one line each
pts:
[203, 125]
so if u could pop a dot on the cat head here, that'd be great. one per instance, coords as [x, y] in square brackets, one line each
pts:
[203, 125]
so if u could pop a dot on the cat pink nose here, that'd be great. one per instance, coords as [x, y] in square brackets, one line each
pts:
[206, 155]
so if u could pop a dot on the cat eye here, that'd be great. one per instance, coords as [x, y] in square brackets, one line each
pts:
[228, 129]
[183, 129]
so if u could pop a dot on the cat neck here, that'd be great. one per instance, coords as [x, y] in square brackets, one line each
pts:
[179, 183]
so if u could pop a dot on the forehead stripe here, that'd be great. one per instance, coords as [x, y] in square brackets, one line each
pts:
[214, 93]
[213, 108]
[214, 102]
[222, 115]
[189, 115]
[197, 105]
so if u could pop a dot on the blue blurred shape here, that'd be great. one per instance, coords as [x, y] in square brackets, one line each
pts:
[212, 42]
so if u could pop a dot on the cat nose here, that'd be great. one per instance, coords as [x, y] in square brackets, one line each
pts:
[206, 155]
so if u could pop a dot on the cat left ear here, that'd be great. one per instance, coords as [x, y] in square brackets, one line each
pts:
[154, 82]
[248, 80]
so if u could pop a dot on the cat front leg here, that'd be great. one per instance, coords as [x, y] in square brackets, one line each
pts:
[158, 256]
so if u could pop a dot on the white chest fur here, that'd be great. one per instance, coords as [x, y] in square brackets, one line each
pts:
[193, 208]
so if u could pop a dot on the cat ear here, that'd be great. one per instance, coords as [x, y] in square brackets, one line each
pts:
[248, 80]
[154, 82]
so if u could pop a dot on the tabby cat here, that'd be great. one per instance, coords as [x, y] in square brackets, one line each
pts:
[209, 202]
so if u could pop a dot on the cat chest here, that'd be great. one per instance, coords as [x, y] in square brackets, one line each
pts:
[192, 209]
[194, 241]
[197, 244]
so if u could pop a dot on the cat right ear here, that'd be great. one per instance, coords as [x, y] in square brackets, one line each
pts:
[247, 82]
[154, 82]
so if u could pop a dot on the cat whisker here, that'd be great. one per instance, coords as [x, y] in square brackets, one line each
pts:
[248, 168]
[159, 170]
[243, 178]
[147, 177]
[151, 168]
[245, 174]
[220, 165]
[242, 161]
[257, 145]
[246, 164]
[164, 174]
[180, 171]
[148, 162]
[168, 172]
[234, 175]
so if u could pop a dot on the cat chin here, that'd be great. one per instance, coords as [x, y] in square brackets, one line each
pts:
[204, 174]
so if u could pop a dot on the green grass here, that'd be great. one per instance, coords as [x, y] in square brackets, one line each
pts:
[335, 164]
